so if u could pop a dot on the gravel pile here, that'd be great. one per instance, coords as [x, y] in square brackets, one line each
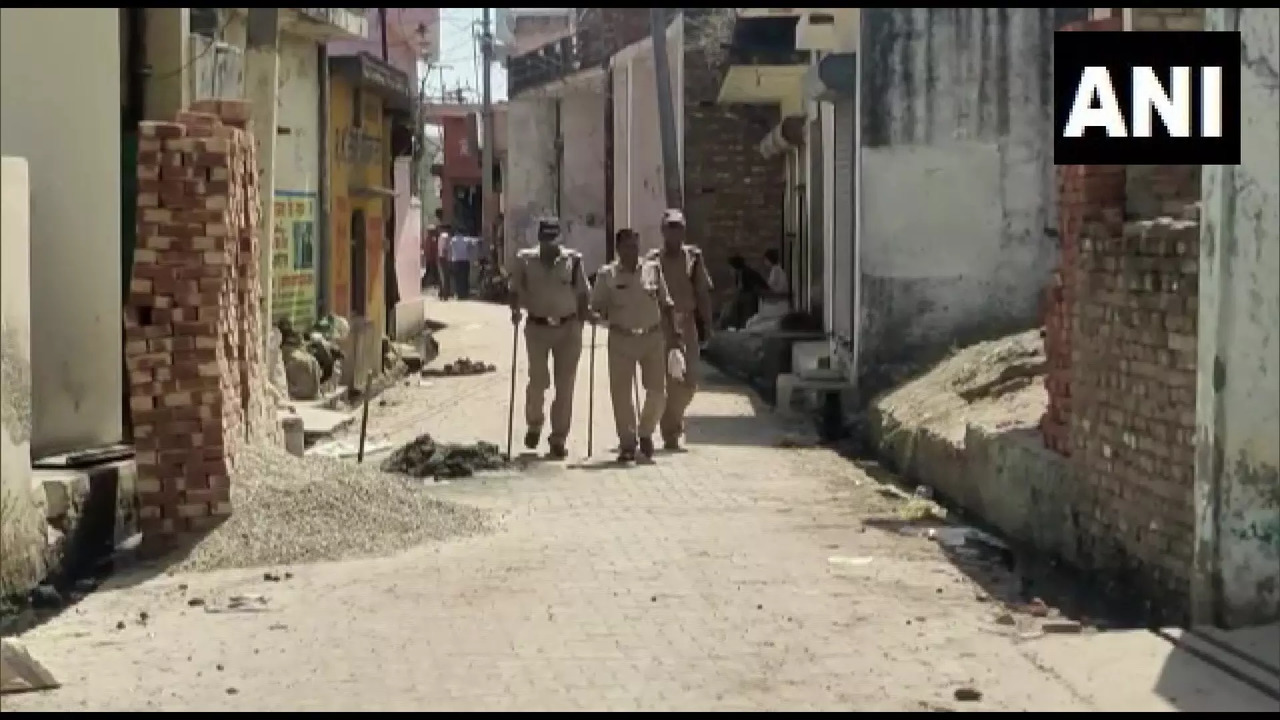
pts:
[423, 457]
[297, 510]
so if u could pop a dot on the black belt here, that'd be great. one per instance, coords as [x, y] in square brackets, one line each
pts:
[552, 322]
[630, 332]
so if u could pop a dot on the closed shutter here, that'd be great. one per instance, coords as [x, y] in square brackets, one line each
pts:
[813, 266]
[845, 262]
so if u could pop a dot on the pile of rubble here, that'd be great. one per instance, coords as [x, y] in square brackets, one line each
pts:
[425, 458]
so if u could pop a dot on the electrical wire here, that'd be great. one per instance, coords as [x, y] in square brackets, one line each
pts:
[192, 61]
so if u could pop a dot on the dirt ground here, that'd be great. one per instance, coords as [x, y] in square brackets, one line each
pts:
[734, 576]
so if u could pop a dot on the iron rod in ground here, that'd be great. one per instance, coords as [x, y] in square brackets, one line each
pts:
[511, 398]
[591, 393]
[364, 416]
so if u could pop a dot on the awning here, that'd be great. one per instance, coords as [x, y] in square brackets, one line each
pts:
[785, 135]
[832, 79]
[368, 72]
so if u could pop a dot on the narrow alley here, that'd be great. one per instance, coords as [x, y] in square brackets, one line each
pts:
[736, 576]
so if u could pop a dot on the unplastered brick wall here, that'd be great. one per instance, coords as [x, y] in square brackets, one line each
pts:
[1087, 195]
[1165, 19]
[194, 335]
[1132, 422]
[733, 194]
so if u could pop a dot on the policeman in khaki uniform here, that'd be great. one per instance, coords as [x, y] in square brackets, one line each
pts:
[548, 282]
[690, 287]
[631, 295]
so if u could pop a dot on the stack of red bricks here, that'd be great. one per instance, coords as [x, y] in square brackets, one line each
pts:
[193, 333]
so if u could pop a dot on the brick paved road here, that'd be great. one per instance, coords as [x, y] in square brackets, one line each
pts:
[700, 582]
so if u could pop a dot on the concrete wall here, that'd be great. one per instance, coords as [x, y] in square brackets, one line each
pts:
[529, 187]
[408, 243]
[582, 196]
[1237, 486]
[22, 523]
[957, 184]
[297, 172]
[640, 191]
[357, 159]
[404, 45]
[61, 112]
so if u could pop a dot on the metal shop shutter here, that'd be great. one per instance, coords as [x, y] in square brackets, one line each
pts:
[845, 250]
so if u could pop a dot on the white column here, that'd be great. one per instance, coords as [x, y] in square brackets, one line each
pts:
[262, 85]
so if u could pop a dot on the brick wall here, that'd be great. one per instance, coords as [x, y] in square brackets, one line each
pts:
[1086, 195]
[1120, 335]
[194, 336]
[1166, 19]
[604, 31]
[733, 195]
[1132, 423]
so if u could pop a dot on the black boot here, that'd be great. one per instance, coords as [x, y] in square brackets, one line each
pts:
[531, 438]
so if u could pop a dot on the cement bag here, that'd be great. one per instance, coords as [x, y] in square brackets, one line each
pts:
[675, 363]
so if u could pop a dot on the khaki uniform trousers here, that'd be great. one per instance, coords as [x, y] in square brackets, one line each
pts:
[680, 392]
[562, 345]
[627, 352]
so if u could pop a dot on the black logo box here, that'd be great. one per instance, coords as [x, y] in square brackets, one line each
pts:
[1120, 52]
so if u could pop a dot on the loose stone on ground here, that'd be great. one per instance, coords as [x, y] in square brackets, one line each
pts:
[296, 510]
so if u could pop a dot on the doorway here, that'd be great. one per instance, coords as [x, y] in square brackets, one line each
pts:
[359, 265]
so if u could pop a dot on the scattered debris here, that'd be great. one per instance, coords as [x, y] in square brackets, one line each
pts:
[19, 672]
[1036, 608]
[1006, 619]
[968, 694]
[462, 366]
[423, 457]
[793, 441]
[842, 561]
[1061, 627]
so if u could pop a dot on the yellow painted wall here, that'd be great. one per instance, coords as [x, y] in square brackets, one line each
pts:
[358, 157]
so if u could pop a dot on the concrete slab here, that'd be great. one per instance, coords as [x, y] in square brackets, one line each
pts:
[1143, 671]
[321, 422]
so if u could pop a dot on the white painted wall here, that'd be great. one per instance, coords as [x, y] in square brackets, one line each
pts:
[22, 520]
[1237, 488]
[643, 186]
[298, 151]
[61, 111]
[956, 178]
[529, 186]
[582, 198]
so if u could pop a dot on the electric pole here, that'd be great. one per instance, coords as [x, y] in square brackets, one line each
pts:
[486, 152]
[666, 112]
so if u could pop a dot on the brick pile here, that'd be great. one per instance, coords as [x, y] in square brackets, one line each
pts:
[194, 336]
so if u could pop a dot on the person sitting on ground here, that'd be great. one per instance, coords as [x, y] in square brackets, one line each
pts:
[748, 286]
[775, 301]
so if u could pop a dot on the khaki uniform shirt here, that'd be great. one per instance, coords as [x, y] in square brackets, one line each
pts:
[631, 299]
[687, 280]
[549, 290]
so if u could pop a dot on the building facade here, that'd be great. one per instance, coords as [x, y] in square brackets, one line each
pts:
[386, 62]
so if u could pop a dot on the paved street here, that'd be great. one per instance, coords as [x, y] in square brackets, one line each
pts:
[705, 581]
